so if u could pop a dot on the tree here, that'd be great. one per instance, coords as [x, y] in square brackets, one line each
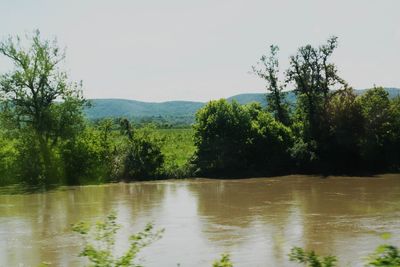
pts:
[221, 135]
[37, 97]
[269, 143]
[235, 140]
[313, 77]
[380, 134]
[142, 157]
[267, 69]
[395, 148]
[346, 122]
[143, 160]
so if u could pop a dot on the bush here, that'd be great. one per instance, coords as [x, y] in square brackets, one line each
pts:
[221, 134]
[236, 140]
[84, 159]
[379, 131]
[269, 144]
[143, 159]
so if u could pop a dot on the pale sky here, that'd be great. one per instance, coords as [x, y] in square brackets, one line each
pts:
[159, 50]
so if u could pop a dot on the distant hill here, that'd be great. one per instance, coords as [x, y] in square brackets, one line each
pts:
[258, 97]
[113, 108]
[177, 111]
[393, 92]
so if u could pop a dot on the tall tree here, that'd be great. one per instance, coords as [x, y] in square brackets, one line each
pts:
[314, 77]
[268, 69]
[37, 95]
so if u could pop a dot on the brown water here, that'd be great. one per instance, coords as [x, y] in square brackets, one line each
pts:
[256, 220]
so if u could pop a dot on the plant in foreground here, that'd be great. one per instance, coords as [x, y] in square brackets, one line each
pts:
[99, 240]
[311, 259]
[225, 261]
[385, 255]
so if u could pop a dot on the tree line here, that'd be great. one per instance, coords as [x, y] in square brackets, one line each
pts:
[328, 130]
[45, 138]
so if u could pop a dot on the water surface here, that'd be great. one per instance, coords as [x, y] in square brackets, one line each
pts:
[256, 220]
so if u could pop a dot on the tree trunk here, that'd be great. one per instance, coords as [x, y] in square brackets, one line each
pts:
[45, 155]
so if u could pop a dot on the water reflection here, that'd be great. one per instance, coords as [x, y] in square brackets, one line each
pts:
[257, 220]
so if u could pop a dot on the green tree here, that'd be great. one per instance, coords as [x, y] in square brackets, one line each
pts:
[268, 69]
[313, 77]
[269, 143]
[346, 122]
[235, 140]
[380, 133]
[143, 158]
[222, 132]
[395, 147]
[37, 97]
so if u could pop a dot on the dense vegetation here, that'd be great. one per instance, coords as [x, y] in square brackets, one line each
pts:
[45, 138]
[329, 128]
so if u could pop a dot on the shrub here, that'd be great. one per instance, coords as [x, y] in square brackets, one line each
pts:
[99, 243]
[143, 159]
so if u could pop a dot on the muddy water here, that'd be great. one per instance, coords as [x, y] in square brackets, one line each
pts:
[256, 220]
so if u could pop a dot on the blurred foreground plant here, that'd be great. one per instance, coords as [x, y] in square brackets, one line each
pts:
[99, 241]
[385, 255]
[311, 259]
[225, 261]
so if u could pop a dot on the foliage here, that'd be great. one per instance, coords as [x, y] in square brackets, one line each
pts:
[178, 148]
[269, 143]
[314, 77]
[99, 243]
[37, 98]
[225, 261]
[385, 255]
[381, 132]
[221, 134]
[235, 139]
[86, 158]
[143, 158]
[268, 70]
[341, 149]
[8, 159]
[310, 259]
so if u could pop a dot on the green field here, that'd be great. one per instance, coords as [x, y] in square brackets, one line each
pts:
[177, 147]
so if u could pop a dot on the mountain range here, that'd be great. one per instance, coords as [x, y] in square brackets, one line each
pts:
[182, 111]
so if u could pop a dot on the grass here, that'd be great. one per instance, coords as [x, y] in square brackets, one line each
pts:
[177, 147]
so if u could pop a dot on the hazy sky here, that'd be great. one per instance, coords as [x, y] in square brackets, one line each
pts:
[157, 50]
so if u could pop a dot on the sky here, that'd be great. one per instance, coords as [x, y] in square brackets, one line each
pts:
[159, 50]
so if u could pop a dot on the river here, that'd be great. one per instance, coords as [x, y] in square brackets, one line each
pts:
[256, 220]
